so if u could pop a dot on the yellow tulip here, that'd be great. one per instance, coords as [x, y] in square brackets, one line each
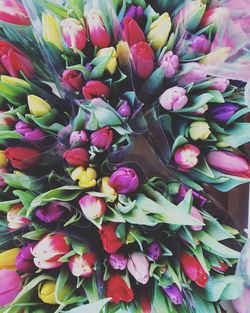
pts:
[112, 62]
[107, 189]
[38, 107]
[199, 131]
[87, 178]
[159, 31]
[8, 259]
[3, 160]
[51, 31]
[122, 50]
[15, 81]
[46, 292]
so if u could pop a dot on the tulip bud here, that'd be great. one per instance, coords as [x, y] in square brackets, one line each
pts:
[3, 159]
[111, 243]
[186, 156]
[24, 260]
[16, 221]
[74, 34]
[132, 32]
[221, 113]
[195, 75]
[17, 82]
[170, 64]
[219, 83]
[124, 180]
[8, 259]
[102, 138]
[143, 59]
[118, 290]
[51, 213]
[124, 109]
[111, 64]
[173, 98]
[222, 268]
[82, 265]
[159, 31]
[72, 80]
[107, 189]
[92, 207]
[138, 267]
[6, 119]
[197, 215]
[51, 32]
[46, 292]
[118, 261]
[29, 133]
[95, 89]
[87, 178]
[199, 130]
[97, 31]
[11, 285]
[78, 137]
[22, 158]
[13, 12]
[37, 106]
[154, 251]
[77, 157]
[135, 13]
[200, 44]
[174, 294]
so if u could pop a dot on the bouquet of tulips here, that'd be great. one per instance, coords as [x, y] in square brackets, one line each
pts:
[84, 229]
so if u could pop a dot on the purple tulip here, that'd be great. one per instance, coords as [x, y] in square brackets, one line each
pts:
[78, 137]
[102, 138]
[154, 251]
[29, 133]
[221, 113]
[174, 294]
[219, 83]
[200, 44]
[24, 260]
[173, 98]
[118, 261]
[196, 75]
[135, 12]
[51, 213]
[124, 109]
[170, 63]
[198, 199]
[124, 180]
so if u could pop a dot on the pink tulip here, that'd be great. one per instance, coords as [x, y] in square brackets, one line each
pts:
[78, 137]
[48, 251]
[195, 75]
[97, 31]
[74, 34]
[170, 63]
[12, 11]
[197, 215]
[173, 99]
[92, 207]
[138, 267]
[219, 83]
[82, 265]
[118, 261]
[16, 221]
[186, 156]
[200, 44]
[102, 138]
[11, 285]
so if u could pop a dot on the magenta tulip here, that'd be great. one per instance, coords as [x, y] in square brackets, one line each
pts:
[174, 294]
[124, 180]
[124, 109]
[197, 215]
[13, 12]
[102, 138]
[173, 99]
[92, 207]
[11, 285]
[187, 156]
[154, 251]
[24, 260]
[200, 44]
[97, 31]
[29, 133]
[135, 12]
[138, 267]
[74, 34]
[50, 213]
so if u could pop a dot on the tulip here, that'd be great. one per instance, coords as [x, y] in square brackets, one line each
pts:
[95, 89]
[170, 64]
[87, 178]
[186, 156]
[214, 15]
[197, 215]
[143, 59]
[154, 251]
[135, 13]
[123, 52]
[118, 261]
[200, 44]
[132, 32]
[111, 243]
[111, 64]
[107, 189]
[77, 157]
[124, 180]
[17, 82]
[78, 137]
[82, 265]
[37, 106]
[48, 251]
[29, 133]
[221, 113]
[221, 268]
[118, 290]
[51, 33]
[228, 163]
[195, 75]
[51, 213]
[22, 158]
[46, 292]
[16, 221]
[13, 12]
[199, 130]
[24, 260]
[124, 109]
[219, 83]
[173, 98]
[3, 159]
[159, 31]
[97, 31]
[8, 259]
[74, 34]
[11, 285]
[174, 294]
[138, 267]
[197, 198]
[72, 80]
[15, 61]
[193, 269]
[102, 138]
[6, 119]
[2, 182]
[92, 207]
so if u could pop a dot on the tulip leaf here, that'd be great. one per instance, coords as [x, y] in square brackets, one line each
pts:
[159, 303]
[90, 288]
[92, 307]
[25, 197]
[22, 181]
[202, 306]
[35, 234]
[5, 206]
[237, 115]
[7, 134]
[15, 95]
[238, 135]
[198, 102]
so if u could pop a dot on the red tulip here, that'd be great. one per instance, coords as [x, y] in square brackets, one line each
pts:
[143, 59]
[193, 269]
[12, 11]
[72, 80]
[77, 157]
[132, 32]
[97, 31]
[82, 265]
[14, 60]
[95, 89]
[118, 290]
[22, 158]
[222, 268]
[102, 138]
[110, 241]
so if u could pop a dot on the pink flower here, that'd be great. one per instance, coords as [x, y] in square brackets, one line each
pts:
[16, 221]
[186, 156]
[74, 34]
[97, 31]
[92, 207]
[12, 11]
[173, 98]
[197, 215]
[78, 137]
[195, 75]
[102, 138]
[118, 261]
[170, 63]
[82, 265]
[219, 83]
[124, 180]
[11, 285]
[138, 267]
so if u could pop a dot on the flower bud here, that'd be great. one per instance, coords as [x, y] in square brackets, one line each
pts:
[51, 32]
[3, 159]
[118, 261]
[97, 31]
[138, 267]
[29, 133]
[8, 259]
[50, 213]
[170, 63]
[77, 157]
[17, 82]
[74, 34]
[186, 156]
[143, 59]
[11, 285]
[221, 113]
[174, 294]
[13, 12]
[22, 158]
[222, 268]
[92, 207]
[6, 119]
[78, 137]
[111, 64]
[197, 215]
[95, 89]
[200, 44]
[102, 138]
[87, 178]
[199, 130]
[107, 189]
[154, 251]
[173, 98]
[24, 260]
[82, 265]
[16, 221]
[124, 180]
[72, 80]
[37, 106]
[124, 109]
[46, 292]
[111, 243]
[195, 75]
[132, 32]
[159, 31]
[135, 12]
[123, 53]
[219, 83]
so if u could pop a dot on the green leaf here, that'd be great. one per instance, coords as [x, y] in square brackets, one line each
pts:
[25, 197]
[238, 135]
[5, 206]
[159, 304]
[90, 287]
[35, 234]
[22, 181]
[202, 306]
[7, 134]
[197, 102]
[95, 307]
